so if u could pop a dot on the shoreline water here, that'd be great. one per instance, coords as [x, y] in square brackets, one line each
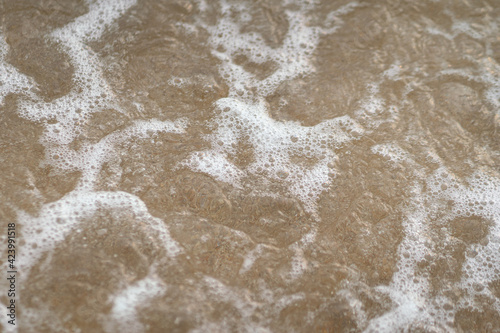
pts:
[236, 166]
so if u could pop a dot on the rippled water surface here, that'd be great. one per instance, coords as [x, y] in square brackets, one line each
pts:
[251, 166]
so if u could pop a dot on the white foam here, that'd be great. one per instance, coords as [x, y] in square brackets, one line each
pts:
[392, 151]
[374, 110]
[486, 69]
[123, 316]
[410, 297]
[91, 26]
[410, 291]
[300, 158]
[63, 120]
[487, 73]
[299, 263]
[56, 220]
[480, 197]
[245, 114]
[90, 94]
[244, 304]
[11, 81]
[393, 72]
[275, 145]
[292, 57]
[90, 157]
[251, 257]
[334, 19]
[256, 310]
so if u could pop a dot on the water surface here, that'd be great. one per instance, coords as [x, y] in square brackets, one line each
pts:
[252, 166]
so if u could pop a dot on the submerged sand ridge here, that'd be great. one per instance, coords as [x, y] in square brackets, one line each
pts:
[252, 166]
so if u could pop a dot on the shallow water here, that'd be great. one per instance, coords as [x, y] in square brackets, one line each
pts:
[251, 166]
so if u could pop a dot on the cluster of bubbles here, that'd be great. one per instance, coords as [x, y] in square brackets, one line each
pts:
[278, 149]
[300, 157]
[11, 81]
[474, 199]
[64, 119]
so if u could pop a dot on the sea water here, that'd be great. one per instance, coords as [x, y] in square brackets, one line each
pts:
[251, 166]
